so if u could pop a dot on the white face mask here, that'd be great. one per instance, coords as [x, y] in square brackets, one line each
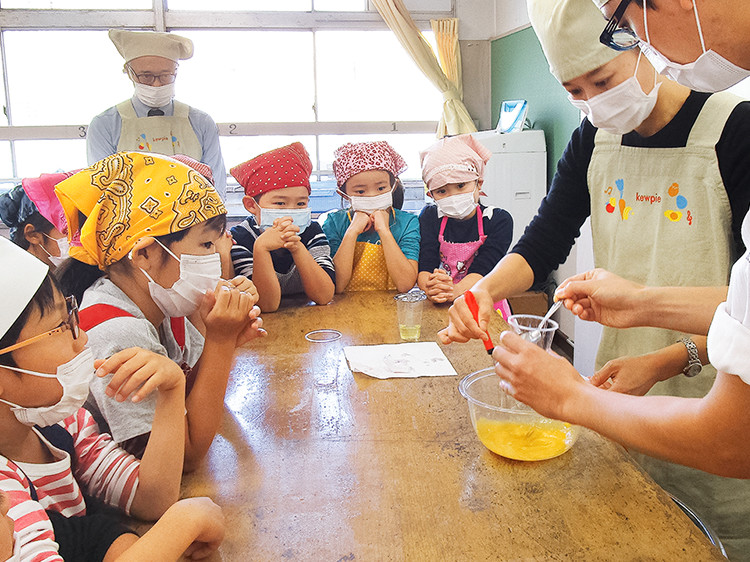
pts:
[154, 96]
[371, 204]
[198, 274]
[301, 217]
[457, 206]
[64, 246]
[710, 72]
[74, 376]
[621, 109]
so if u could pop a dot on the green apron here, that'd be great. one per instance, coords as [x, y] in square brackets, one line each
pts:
[160, 134]
[661, 217]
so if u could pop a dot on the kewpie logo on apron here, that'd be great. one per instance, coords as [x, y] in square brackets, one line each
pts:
[673, 215]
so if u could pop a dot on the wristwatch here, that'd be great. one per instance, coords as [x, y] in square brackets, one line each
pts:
[694, 362]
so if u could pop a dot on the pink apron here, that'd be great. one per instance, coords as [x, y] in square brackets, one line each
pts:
[456, 258]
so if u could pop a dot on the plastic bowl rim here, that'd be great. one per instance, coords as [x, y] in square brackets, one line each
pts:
[465, 382]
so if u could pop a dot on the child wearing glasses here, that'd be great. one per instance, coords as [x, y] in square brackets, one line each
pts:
[151, 273]
[279, 246]
[57, 472]
[375, 244]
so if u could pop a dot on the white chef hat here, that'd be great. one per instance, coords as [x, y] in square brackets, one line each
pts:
[569, 33]
[22, 275]
[134, 44]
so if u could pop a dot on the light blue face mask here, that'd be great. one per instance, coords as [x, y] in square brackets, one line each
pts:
[301, 217]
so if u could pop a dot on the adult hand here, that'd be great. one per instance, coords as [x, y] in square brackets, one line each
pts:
[542, 380]
[461, 324]
[601, 296]
[629, 375]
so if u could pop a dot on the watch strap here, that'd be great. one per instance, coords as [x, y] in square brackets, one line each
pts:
[694, 365]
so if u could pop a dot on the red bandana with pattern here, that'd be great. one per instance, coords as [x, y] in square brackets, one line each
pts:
[288, 166]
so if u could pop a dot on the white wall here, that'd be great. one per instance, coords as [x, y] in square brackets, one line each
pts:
[488, 19]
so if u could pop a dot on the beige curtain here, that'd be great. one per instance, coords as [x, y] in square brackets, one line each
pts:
[455, 118]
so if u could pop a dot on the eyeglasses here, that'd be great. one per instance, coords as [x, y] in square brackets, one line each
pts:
[70, 324]
[148, 78]
[616, 37]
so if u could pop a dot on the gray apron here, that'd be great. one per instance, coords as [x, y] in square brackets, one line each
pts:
[661, 217]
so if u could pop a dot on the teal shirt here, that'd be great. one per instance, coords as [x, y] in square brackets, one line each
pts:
[404, 227]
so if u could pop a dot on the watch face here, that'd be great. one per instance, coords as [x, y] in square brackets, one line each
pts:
[693, 370]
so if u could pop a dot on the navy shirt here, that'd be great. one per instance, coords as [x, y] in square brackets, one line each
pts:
[498, 226]
[547, 240]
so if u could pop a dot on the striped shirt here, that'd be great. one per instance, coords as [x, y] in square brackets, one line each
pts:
[101, 469]
[290, 282]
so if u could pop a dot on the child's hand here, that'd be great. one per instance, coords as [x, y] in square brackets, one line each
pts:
[7, 528]
[290, 235]
[225, 312]
[243, 284]
[136, 370]
[271, 238]
[380, 221]
[360, 222]
[207, 519]
[439, 286]
[253, 330]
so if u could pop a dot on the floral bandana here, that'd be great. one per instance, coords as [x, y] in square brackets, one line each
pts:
[129, 195]
[353, 158]
[41, 191]
[288, 166]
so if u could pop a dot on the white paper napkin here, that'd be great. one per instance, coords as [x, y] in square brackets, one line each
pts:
[400, 360]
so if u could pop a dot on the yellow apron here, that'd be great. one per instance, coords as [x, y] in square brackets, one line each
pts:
[159, 134]
[369, 271]
[661, 216]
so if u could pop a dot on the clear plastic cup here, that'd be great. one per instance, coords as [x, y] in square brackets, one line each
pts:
[409, 309]
[527, 326]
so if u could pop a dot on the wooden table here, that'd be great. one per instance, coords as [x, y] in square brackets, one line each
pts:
[367, 469]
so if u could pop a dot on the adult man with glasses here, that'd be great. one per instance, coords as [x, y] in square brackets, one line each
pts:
[704, 47]
[152, 121]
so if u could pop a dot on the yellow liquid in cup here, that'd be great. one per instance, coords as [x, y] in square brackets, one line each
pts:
[410, 333]
[533, 441]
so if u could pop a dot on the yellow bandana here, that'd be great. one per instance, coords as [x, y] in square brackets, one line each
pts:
[129, 195]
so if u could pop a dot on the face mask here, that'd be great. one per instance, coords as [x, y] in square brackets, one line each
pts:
[710, 72]
[622, 108]
[198, 274]
[154, 96]
[457, 206]
[64, 246]
[74, 376]
[371, 204]
[301, 217]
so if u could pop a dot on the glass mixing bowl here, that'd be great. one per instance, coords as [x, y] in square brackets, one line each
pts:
[510, 428]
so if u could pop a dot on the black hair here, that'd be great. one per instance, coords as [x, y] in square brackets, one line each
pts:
[43, 301]
[398, 191]
[76, 276]
[17, 211]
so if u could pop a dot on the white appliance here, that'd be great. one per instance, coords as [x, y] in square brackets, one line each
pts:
[515, 178]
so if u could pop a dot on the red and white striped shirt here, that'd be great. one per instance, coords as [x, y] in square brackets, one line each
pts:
[102, 469]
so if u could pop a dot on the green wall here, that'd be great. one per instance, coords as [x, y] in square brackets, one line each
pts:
[520, 71]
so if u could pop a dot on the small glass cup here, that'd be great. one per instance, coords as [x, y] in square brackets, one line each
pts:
[409, 308]
[528, 327]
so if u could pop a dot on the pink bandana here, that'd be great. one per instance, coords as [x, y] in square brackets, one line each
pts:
[288, 166]
[200, 167]
[453, 160]
[41, 191]
[353, 158]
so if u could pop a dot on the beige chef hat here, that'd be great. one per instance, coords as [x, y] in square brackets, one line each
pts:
[134, 44]
[569, 33]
